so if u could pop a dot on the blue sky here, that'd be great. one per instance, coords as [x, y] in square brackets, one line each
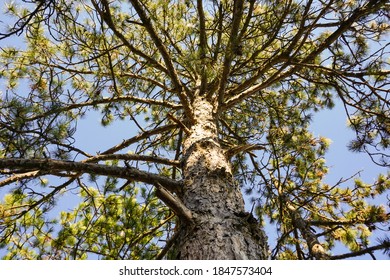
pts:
[343, 163]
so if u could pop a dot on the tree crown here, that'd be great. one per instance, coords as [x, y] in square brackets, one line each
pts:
[265, 66]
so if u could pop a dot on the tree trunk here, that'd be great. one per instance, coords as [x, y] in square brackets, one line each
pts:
[221, 229]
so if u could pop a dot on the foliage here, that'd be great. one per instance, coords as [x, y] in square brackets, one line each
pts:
[267, 66]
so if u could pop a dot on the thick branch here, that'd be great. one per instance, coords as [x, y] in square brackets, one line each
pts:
[128, 98]
[133, 157]
[50, 165]
[157, 41]
[275, 58]
[139, 137]
[243, 95]
[369, 7]
[219, 29]
[106, 15]
[233, 45]
[174, 203]
[165, 55]
[203, 44]
[315, 247]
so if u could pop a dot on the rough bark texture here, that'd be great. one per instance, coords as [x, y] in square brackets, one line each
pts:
[221, 229]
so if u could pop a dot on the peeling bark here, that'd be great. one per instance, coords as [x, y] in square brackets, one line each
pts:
[221, 229]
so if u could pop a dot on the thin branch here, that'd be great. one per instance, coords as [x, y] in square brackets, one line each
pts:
[219, 36]
[180, 123]
[343, 73]
[107, 17]
[25, 208]
[27, 21]
[68, 69]
[243, 95]
[249, 15]
[275, 58]
[202, 45]
[168, 245]
[361, 252]
[106, 100]
[152, 230]
[247, 148]
[139, 137]
[179, 87]
[157, 41]
[232, 47]
[369, 7]
[315, 247]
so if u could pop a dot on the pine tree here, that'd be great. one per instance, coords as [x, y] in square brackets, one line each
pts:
[218, 97]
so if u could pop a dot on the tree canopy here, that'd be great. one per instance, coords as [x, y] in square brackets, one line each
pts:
[265, 66]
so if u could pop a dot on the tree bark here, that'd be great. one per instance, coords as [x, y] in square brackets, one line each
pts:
[220, 228]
